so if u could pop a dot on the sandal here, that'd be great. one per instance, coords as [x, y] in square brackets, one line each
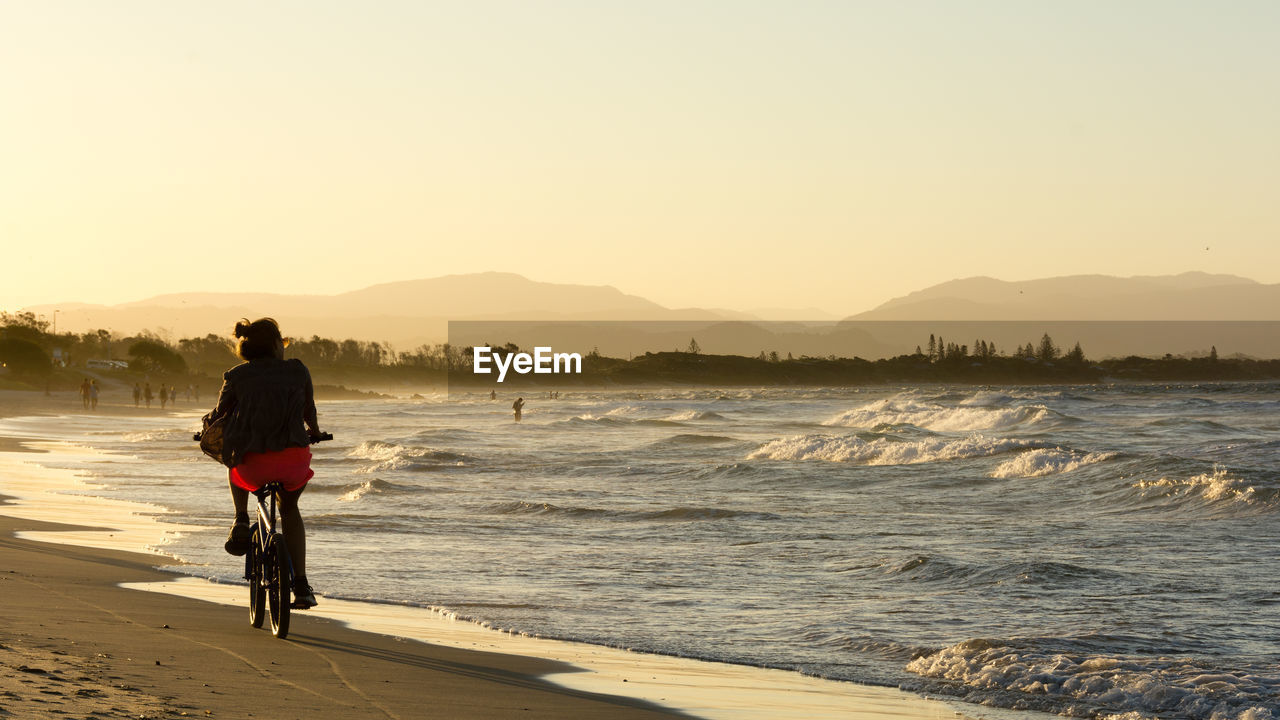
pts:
[238, 539]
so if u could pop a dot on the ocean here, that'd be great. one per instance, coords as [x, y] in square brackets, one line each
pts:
[1089, 551]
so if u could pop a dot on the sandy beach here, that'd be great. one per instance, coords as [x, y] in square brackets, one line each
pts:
[81, 636]
[76, 642]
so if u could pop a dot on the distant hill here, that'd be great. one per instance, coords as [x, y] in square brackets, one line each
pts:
[1191, 296]
[405, 313]
[1111, 316]
[477, 294]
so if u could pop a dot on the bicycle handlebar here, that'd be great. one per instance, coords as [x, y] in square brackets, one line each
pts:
[321, 438]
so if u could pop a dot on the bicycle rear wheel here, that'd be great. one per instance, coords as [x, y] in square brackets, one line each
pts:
[257, 589]
[278, 590]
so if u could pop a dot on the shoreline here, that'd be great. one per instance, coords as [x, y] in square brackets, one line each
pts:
[653, 685]
[82, 642]
[17, 403]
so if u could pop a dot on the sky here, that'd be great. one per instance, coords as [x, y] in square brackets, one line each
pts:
[712, 153]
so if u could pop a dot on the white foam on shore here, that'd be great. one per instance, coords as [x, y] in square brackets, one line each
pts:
[705, 689]
[1126, 687]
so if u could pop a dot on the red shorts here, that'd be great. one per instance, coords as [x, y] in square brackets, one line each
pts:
[291, 467]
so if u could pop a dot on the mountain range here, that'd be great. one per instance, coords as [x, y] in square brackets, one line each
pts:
[406, 313]
[410, 313]
[1185, 297]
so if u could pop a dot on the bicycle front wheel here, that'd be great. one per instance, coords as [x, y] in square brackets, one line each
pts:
[280, 587]
[253, 572]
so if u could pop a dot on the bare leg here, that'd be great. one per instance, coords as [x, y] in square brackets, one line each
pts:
[240, 498]
[295, 533]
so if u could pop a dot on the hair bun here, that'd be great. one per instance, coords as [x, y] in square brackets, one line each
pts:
[242, 328]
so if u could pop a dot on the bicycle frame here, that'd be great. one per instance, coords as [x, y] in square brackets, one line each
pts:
[267, 512]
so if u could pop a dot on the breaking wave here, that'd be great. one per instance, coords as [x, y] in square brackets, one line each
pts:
[987, 398]
[882, 450]
[942, 418]
[1048, 461]
[1219, 487]
[393, 456]
[352, 492]
[1030, 675]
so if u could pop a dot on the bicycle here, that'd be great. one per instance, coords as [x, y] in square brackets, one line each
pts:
[267, 566]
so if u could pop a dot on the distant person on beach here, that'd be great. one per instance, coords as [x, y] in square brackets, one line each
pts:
[164, 396]
[137, 394]
[271, 421]
[493, 394]
[517, 406]
[146, 394]
[173, 395]
[188, 392]
[93, 395]
[84, 393]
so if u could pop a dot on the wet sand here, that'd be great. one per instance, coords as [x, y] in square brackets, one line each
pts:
[117, 400]
[73, 641]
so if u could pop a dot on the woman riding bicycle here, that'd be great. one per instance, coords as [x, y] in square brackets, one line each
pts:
[271, 421]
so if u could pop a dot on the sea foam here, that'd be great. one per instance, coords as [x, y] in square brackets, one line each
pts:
[393, 456]
[1020, 675]
[364, 488]
[941, 418]
[1048, 461]
[1219, 486]
[882, 451]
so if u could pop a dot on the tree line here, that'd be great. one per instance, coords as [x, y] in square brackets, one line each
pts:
[29, 350]
[1046, 351]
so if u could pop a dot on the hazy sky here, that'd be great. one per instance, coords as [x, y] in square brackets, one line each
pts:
[717, 153]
